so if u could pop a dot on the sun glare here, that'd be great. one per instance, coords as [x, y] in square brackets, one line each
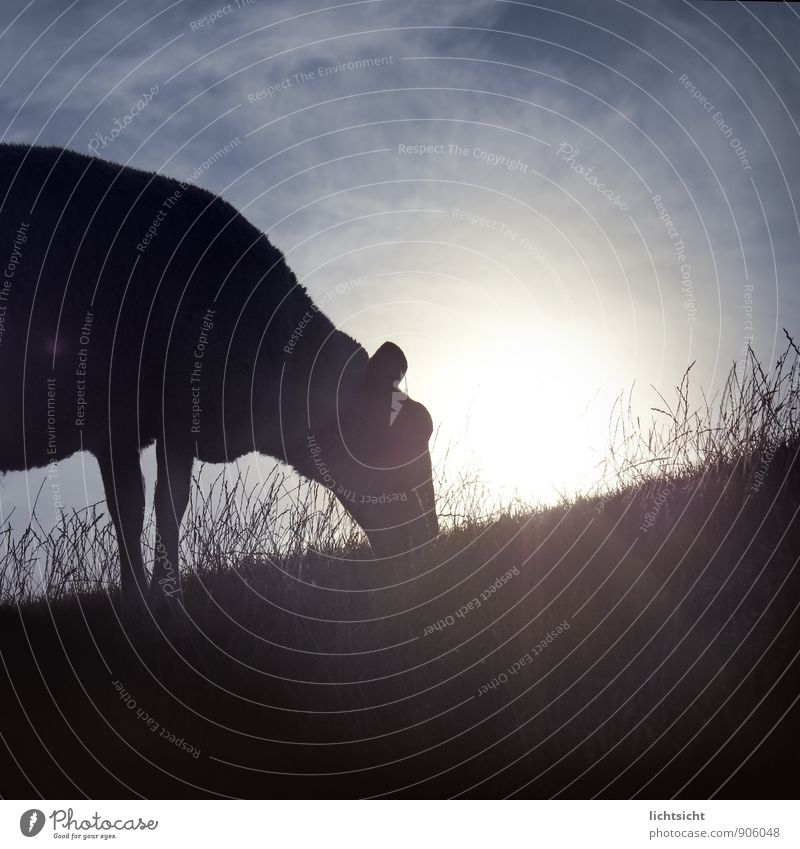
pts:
[537, 420]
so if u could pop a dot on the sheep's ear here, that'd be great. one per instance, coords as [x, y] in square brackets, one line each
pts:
[386, 367]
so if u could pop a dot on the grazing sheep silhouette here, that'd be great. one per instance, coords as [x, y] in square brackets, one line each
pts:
[137, 309]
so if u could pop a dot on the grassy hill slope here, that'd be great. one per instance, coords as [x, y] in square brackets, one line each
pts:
[639, 642]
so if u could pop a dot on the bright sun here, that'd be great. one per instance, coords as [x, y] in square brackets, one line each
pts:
[538, 418]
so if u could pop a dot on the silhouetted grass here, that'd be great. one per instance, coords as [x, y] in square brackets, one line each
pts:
[315, 670]
[755, 413]
[230, 519]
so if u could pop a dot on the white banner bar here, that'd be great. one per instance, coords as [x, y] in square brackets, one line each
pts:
[400, 824]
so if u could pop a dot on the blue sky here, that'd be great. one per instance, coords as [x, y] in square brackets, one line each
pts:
[485, 183]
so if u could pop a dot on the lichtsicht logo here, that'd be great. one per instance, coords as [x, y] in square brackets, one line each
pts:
[31, 822]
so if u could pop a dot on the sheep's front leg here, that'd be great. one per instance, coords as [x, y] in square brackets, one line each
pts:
[173, 481]
[124, 489]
